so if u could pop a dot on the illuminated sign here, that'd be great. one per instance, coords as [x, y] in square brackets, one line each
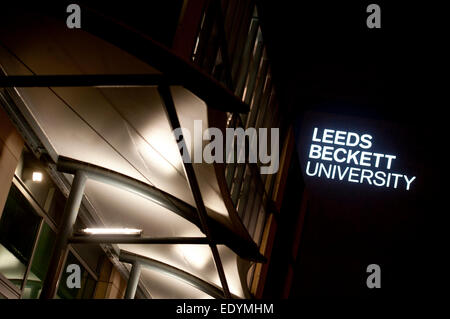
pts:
[348, 156]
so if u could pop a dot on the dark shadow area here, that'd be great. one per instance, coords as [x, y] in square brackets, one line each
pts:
[325, 59]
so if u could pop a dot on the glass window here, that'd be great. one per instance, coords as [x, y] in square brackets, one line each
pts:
[56, 207]
[40, 264]
[88, 283]
[38, 182]
[19, 226]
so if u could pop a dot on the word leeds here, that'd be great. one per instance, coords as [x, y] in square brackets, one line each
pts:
[349, 149]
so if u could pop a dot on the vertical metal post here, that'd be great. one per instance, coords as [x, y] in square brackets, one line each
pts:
[133, 280]
[30, 263]
[167, 100]
[50, 284]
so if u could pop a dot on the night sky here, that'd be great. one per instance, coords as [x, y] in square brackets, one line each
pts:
[325, 59]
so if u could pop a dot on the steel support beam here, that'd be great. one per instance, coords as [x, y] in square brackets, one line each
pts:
[133, 280]
[101, 239]
[213, 291]
[129, 184]
[92, 80]
[50, 284]
[164, 91]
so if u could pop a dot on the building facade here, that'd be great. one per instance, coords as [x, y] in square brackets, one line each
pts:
[87, 141]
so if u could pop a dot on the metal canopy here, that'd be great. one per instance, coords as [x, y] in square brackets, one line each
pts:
[194, 281]
[245, 248]
[164, 91]
[147, 50]
[114, 126]
[143, 47]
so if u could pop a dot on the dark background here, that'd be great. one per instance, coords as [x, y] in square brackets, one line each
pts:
[325, 59]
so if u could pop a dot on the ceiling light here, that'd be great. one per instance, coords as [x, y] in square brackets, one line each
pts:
[112, 231]
[37, 177]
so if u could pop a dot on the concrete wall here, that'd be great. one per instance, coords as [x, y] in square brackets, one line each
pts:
[110, 283]
[11, 145]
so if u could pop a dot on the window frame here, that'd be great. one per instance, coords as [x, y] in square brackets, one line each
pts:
[7, 288]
